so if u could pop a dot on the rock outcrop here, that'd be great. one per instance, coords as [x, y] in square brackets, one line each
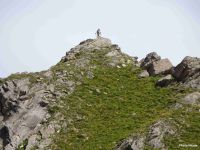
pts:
[162, 66]
[154, 138]
[188, 72]
[155, 65]
[23, 108]
[11, 92]
[132, 143]
[192, 99]
[149, 59]
[26, 103]
[165, 81]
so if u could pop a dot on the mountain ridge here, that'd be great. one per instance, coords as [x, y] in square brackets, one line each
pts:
[90, 99]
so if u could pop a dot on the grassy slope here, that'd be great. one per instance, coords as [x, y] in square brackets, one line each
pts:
[113, 105]
[124, 105]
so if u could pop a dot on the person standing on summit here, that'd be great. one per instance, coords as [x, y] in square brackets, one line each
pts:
[98, 33]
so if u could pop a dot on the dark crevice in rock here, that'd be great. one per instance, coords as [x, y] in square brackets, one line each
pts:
[5, 136]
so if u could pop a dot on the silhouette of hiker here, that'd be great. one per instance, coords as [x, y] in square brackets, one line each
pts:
[98, 33]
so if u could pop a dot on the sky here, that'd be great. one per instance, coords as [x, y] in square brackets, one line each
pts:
[35, 34]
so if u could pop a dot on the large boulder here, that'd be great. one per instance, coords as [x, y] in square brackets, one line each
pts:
[149, 59]
[188, 72]
[162, 66]
[187, 68]
[155, 65]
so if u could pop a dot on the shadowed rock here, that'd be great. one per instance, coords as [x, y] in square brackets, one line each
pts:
[164, 81]
[149, 59]
[188, 72]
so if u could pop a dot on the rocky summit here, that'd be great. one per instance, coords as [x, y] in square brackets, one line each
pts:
[99, 98]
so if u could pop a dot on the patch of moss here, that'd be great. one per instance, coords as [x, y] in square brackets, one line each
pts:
[23, 145]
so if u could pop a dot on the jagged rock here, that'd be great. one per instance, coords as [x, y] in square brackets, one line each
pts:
[193, 99]
[82, 63]
[89, 44]
[116, 57]
[187, 68]
[155, 65]
[10, 93]
[143, 74]
[87, 41]
[165, 81]
[188, 72]
[47, 131]
[22, 118]
[51, 88]
[113, 53]
[157, 132]
[154, 138]
[23, 86]
[44, 143]
[33, 141]
[149, 59]
[48, 74]
[162, 66]
[132, 143]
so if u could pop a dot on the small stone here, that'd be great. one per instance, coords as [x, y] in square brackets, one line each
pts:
[165, 81]
[123, 65]
[143, 74]
[98, 91]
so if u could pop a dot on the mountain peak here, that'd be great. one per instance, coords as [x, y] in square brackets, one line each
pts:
[96, 96]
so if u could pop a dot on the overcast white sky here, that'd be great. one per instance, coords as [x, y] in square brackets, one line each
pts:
[35, 34]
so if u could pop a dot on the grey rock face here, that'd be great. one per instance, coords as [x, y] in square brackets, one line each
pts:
[23, 109]
[162, 66]
[155, 65]
[89, 44]
[133, 143]
[10, 94]
[154, 138]
[193, 99]
[27, 121]
[187, 68]
[143, 74]
[149, 59]
[165, 81]
[188, 72]
[157, 133]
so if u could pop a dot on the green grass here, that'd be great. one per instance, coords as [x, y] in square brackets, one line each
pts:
[110, 107]
[113, 105]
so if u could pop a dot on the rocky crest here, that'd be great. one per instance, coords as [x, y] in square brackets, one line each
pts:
[25, 102]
